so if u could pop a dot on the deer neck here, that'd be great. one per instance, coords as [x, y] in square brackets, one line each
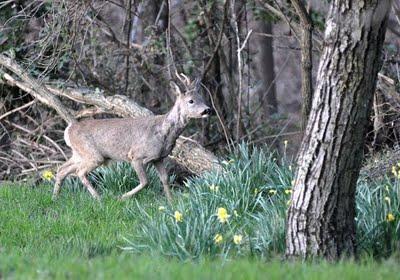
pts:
[173, 124]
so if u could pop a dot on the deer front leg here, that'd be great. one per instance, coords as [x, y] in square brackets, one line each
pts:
[162, 173]
[139, 167]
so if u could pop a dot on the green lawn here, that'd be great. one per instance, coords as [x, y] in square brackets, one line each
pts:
[77, 237]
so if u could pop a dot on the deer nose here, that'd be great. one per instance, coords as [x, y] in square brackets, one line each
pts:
[206, 112]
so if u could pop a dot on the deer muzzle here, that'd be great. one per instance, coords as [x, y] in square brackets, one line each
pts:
[207, 112]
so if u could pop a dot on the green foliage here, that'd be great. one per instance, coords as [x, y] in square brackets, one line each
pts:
[255, 190]
[77, 236]
[378, 212]
[318, 20]
[10, 38]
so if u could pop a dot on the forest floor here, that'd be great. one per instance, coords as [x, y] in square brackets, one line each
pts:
[76, 237]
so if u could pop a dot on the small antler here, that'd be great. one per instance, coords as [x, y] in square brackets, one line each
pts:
[187, 80]
[197, 84]
[184, 79]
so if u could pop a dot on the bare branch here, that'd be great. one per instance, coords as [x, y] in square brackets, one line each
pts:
[306, 58]
[189, 154]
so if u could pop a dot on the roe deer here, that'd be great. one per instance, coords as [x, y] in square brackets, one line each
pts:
[140, 140]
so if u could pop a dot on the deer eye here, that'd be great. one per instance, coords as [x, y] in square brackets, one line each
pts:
[191, 101]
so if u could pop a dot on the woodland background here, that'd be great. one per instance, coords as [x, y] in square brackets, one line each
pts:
[246, 53]
[265, 195]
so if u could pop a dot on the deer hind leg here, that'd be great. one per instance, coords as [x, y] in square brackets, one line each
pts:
[64, 170]
[88, 158]
[86, 166]
[139, 167]
[163, 174]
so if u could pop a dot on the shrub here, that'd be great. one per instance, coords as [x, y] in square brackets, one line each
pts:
[238, 211]
[242, 211]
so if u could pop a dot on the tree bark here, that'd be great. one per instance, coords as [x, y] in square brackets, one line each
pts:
[321, 216]
[267, 96]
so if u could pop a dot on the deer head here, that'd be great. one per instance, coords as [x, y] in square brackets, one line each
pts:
[189, 102]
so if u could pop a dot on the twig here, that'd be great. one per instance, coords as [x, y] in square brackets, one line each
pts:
[228, 140]
[245, 41]
[306, 59]
[218, 43]
[128, 39]
[239, 59]
[42, 94]
[17, 109]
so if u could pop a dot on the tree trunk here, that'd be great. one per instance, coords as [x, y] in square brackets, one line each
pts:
[267, 96]
[321, 216]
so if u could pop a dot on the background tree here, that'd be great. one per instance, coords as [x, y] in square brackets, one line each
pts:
[321, 216]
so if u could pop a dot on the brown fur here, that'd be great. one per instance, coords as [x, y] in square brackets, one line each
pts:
[140, 140]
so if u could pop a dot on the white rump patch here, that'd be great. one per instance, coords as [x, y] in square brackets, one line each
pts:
[66, 135]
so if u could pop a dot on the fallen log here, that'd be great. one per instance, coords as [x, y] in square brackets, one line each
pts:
[187, 153]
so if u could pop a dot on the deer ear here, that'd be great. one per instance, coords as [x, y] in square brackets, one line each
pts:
[177, 91]
[197, 85]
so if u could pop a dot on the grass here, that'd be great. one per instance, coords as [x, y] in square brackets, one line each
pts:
[77, 237]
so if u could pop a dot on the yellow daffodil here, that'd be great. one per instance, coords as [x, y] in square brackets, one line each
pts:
[272, 191]
[387, 199]
[214, 188]
[390, 217]
[218, 238]
[288, 191]
[161, 208]
[237, 239]
[255, 191]
[178, 216]
[224, 162]
[48, 175]
[222, 215]
[394, 171]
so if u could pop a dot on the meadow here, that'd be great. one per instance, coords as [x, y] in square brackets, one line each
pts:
[227, 225]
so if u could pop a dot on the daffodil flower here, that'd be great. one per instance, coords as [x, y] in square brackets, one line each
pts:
[222, 215]
[288, 191]
[237, 239]
[47, 175]
[394, 171]
[214, 188]
[178, 216]
[218, 238]
[390, 217]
